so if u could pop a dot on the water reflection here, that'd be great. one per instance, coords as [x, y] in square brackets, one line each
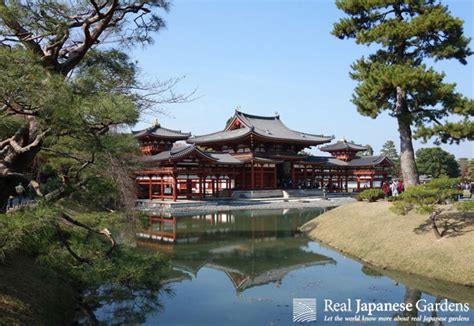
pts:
[244, 267]
[251, 248]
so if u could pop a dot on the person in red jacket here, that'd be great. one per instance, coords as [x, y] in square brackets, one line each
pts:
[401, 187]
[386, 189]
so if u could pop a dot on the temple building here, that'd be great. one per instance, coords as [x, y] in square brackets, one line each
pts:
[251, 153]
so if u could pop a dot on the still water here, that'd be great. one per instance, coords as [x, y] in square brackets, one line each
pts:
[245, 268]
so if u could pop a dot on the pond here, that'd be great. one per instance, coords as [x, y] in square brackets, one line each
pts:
[246, 267]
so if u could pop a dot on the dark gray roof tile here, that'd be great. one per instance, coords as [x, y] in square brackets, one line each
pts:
[343, 145]
[267, 127]
[160, 132]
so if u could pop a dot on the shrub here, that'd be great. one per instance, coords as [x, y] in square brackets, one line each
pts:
[430, 199]
[370, 195]
[465, 206]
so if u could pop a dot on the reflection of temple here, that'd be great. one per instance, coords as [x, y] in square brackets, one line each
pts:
[252, 152]
[252, 248]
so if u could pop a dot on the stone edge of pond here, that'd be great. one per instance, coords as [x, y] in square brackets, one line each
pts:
[254, 205]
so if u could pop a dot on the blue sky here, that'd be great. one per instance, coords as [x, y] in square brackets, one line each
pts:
[274, 56]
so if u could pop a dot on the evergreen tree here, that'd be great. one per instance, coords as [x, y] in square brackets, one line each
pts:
[437, 163]
[65, 79]
[470, 170]
[463, 166]
[369, 151]
[396, 78]
[65, 86]
[389, 149]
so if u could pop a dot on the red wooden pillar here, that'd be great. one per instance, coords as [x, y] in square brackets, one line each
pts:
[293, 176]
[189, 187]
[200, 187]
[371, 182]
[204, 186]
[358, 184]
[304, 176]
[275, 177]
[252, 177]
[213, 187]
[175, 187]
[261, 177]
[346, 186]
[162, 188]
[150, 189]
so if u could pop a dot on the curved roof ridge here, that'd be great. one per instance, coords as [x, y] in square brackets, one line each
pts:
[177, 131]
[238, 112]
[343, 145]
[226, 134]
[154, 130]
[218, 132]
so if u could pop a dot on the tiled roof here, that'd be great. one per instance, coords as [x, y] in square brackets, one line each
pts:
[343, 145]
[175, 153]
[160, 132]
[224, 158]
[220, 136]
[368, 161]
[178, 152]
[265, 126]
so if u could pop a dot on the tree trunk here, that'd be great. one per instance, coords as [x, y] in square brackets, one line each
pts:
[16, 162]
[412, 295]
[438, 234]
[407, 154]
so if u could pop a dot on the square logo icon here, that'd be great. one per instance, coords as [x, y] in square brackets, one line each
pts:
[304, 310]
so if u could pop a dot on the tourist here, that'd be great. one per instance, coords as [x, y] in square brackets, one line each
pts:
[10, 202]
[394, 188]
[20, 190]
[386, 189]
[400, 187]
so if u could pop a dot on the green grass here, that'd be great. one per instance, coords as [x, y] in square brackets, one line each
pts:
[30, 296]
[374, 234]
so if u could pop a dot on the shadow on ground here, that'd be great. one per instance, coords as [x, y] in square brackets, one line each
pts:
[450, 224]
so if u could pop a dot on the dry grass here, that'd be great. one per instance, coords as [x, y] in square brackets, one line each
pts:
[372, 233]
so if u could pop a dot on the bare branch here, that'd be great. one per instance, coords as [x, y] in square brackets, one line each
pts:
[20, 150]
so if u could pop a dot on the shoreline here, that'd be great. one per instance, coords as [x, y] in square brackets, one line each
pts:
[390, 250]
[435, 287]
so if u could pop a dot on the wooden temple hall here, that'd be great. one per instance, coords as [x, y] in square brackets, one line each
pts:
[251, 153]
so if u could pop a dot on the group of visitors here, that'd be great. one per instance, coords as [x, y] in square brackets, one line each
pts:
[23, 195]
[393, 188]
[467, 189]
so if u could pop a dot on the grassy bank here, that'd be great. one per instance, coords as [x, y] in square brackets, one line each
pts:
[29, 296]
[372, 233]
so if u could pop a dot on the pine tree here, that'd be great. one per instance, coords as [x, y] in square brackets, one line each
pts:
[369, 151]
[437, 163]
[65, 78]
[396, 78]
[389, 149]
[463, 166]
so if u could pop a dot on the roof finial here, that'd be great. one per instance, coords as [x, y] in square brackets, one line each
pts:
[277, 115]
[157, 123]
[237, 108]
[343, 139]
